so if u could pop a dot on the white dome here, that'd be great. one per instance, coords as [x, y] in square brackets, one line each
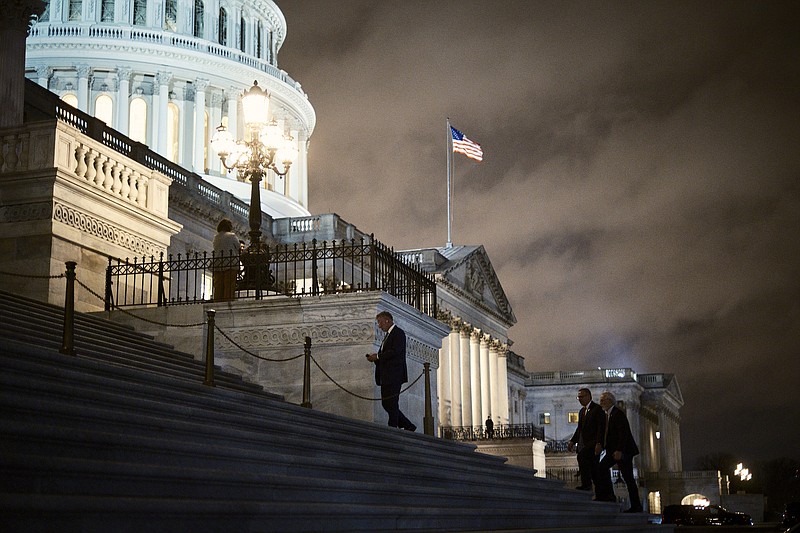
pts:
[184, 62]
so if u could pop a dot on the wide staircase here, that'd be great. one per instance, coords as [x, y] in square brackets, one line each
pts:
[124, 437]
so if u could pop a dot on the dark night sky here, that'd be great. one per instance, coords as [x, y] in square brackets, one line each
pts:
[640, 193]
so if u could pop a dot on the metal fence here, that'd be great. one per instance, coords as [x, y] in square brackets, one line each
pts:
[293, 270]
[472, 433]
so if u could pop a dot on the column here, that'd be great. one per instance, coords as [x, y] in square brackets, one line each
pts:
[200, 85]
[43, 73]
[123, 99]
[233, 95]
[502, 383]
[494, 402]
[215, 119]
[443, 382]
[475, 376]
[466, 397]
[163, 79]
[83, 86]
[14, 20]
[455, 376]
[486, 383]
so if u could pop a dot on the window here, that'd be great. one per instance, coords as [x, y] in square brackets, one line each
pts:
[544, 419]
[74, 10]
[242, 39]
[171, 15]
[107, 11]
[70, 99]
[223, 27]
[138, 120]
[173, 128]
[45, 16]
[258, 40]
[139, 12]
[572, 417]
[104, 108]
[199, 13]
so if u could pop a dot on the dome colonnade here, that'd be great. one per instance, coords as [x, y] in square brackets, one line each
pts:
[168, 72]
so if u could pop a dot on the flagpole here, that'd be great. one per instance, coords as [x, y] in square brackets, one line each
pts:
[449, 181]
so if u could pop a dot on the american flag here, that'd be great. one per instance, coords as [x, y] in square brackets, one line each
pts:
[462, 145]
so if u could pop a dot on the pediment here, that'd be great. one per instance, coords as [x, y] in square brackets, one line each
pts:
[470, 272]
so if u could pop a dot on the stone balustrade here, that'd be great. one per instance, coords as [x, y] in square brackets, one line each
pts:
[47, 144]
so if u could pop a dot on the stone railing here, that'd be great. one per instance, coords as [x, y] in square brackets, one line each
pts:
[327, 227]
[48, 144]
[46, 33]
[601, 375]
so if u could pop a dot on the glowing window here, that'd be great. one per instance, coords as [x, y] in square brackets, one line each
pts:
[70, 99]
[138, 120]
[173, 127]
[572, 417]
[544, 419]
[104, 108]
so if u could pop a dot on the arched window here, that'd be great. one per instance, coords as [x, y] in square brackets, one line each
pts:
[199, 13]
[139, 12]
[104, 108]
[70, 99]
[223, 27]
[137, 123]
[242, 36]
[75, 7]
[107, 11]
[171, 15]
[173, 132]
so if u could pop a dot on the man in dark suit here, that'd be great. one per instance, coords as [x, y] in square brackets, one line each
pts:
[585, 438]
[615, 438]
[391, 370]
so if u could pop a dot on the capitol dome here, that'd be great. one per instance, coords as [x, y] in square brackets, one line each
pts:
[167, 72]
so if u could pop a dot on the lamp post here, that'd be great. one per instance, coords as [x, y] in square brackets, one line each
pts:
[264, 148]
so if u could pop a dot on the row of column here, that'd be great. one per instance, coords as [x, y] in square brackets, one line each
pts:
[222, 102]
[472, 378]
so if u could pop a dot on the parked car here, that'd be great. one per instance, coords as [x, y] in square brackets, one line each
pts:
[791, 514]
[711, 515]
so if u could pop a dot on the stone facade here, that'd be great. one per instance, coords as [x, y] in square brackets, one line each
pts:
[263, 338]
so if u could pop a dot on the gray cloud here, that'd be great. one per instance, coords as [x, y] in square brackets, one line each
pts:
[640, 194]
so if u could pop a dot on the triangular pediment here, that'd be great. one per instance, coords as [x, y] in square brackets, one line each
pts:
[469, 271]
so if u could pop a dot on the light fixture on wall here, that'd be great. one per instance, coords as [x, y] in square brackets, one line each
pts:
[264, 148]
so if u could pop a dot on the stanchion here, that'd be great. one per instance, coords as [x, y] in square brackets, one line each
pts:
[427, 422]
[68, 337]
[209, 379]
[307, 374]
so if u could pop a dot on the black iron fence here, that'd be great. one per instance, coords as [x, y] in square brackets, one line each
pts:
[514, 431]
[293, 270]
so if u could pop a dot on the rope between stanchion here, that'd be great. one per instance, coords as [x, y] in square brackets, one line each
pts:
[53, 276]
[364, 397]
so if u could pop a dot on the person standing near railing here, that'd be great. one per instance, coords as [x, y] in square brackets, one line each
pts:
[225, 265]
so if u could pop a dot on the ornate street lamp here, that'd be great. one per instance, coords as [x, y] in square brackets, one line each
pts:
[264, 148]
